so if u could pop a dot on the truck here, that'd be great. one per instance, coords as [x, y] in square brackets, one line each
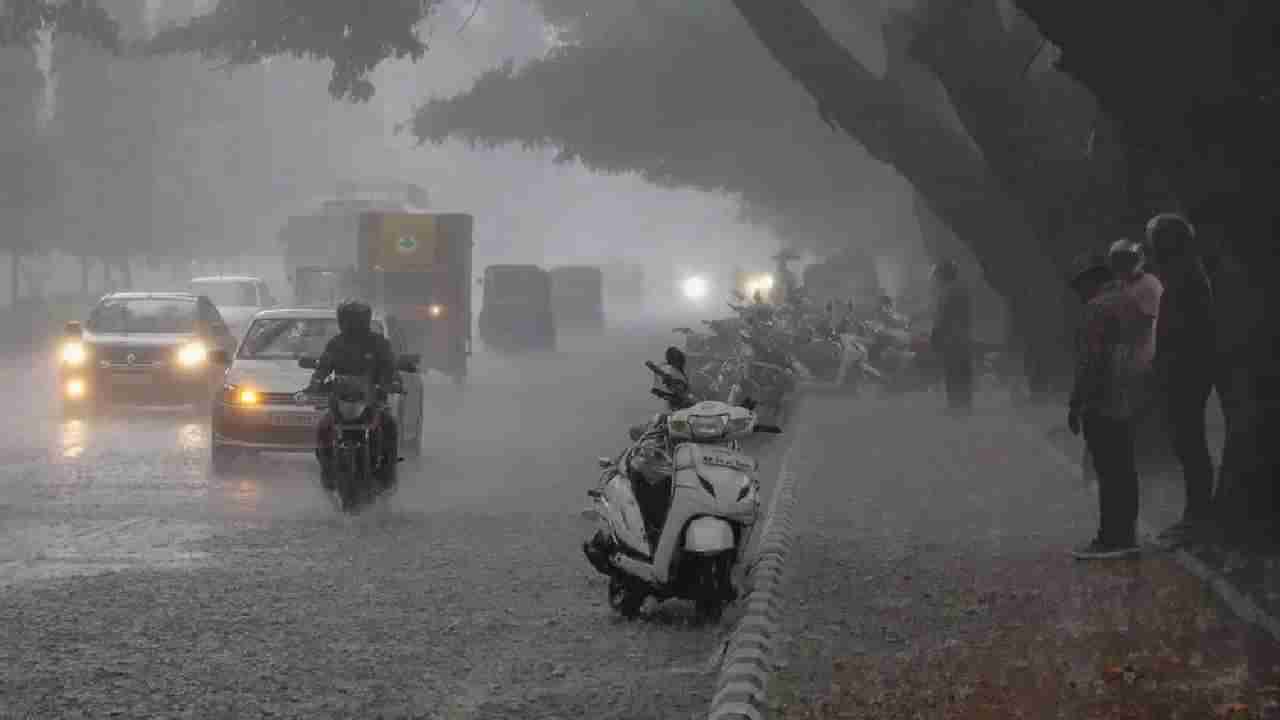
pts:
[517, 316]
[414, 265]
[577, 298]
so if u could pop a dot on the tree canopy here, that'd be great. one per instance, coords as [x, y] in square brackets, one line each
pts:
[355, 35]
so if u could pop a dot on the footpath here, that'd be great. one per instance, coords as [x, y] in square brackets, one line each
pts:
[931, 578]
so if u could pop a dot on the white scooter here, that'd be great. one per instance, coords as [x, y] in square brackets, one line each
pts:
[714, 505]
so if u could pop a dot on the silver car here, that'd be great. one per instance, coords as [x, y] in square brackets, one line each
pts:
[257, 410]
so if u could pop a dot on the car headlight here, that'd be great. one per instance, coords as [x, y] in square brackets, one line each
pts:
[706, 427]
[696, 287]
[235, 395]
[193, 355]
[75, 388]
[74, 354]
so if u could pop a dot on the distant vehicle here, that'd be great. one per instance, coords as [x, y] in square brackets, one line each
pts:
[237, 297]
[388, 251]
[259, 409]
[577, 298]
[143, 347]
[516, 315]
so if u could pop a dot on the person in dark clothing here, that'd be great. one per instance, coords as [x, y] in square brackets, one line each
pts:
[952, 336]
[1185, 364]
[360, 352]
[1103, 405]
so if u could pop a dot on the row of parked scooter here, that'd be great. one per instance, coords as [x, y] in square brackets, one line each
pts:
[675, 512]
[764, 351]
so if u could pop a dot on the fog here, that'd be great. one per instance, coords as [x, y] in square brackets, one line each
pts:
[870, 488]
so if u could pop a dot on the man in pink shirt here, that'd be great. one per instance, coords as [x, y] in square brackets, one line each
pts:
[1127, 259]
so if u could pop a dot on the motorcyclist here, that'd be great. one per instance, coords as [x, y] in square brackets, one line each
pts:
[648, 463]
[358, 351]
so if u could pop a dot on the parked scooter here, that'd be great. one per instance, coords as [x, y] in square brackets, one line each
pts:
[712, 507]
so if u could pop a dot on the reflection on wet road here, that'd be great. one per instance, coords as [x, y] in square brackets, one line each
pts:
[133, 488]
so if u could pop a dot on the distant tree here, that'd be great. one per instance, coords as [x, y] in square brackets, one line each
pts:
[22, 21]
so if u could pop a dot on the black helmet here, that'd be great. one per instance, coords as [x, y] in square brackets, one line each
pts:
[1170, 235]
[1125, 256]
[354, 317]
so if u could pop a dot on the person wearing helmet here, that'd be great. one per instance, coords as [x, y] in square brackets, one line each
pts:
[1127, 261]
[1185, 364]
[952, 336]
[358, 351]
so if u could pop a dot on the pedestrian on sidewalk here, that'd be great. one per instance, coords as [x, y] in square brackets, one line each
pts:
[1109, 390]
[952, 336]
[1185, 364]
[1091, 278]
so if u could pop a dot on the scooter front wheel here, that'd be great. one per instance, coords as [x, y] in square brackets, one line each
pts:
[625, 597]
[714, 585]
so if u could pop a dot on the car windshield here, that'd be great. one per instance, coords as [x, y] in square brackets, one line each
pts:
[228, 293]
[144, 315]
[290, 338]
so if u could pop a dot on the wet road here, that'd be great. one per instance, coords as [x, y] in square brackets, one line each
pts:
[470, 584]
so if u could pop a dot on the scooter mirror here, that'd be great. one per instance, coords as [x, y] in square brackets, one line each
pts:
[636, 433]
[604, 463]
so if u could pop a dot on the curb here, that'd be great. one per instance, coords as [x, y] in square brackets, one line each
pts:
[741, 686]
[1239, 603]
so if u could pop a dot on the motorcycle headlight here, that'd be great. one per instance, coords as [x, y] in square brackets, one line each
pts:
[707, 427]
[351, 409]
[193, 355]
[74, 354]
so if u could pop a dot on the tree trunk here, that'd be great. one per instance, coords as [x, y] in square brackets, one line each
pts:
[896, 129]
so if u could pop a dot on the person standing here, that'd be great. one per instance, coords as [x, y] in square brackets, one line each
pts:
[952, 336]
[1091, 278]
[1185, 365]
[1107, 395]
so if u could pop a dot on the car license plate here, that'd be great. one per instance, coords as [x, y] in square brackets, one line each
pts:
[295, 420]
[130, 379]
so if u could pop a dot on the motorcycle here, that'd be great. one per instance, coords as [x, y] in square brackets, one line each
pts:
[713, 507]
[359, 465]
[898, 357]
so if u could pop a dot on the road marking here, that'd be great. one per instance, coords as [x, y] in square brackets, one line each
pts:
[1239, 603]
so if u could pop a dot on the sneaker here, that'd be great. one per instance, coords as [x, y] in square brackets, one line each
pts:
[1098, 550]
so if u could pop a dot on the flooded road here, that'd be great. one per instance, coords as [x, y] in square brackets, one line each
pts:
[116, 538]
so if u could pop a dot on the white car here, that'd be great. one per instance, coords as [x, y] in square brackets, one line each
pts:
[237, 297]
[257, 409]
